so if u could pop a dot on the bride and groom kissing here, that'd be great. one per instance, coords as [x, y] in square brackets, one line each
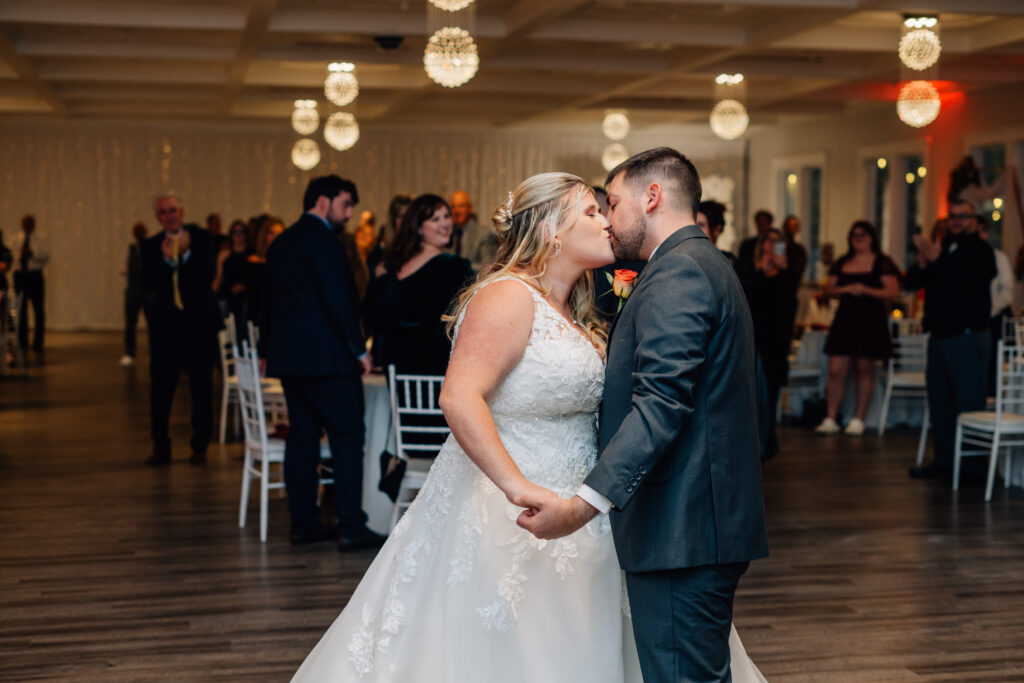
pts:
[538, 550]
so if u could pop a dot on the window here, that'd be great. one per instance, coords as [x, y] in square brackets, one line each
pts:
[913, 176]
[991, 161]
[800, 193]
[880, 194]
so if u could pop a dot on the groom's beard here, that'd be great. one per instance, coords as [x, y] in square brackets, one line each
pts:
[627, 244]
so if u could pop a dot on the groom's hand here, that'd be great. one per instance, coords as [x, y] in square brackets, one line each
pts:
[548, 516]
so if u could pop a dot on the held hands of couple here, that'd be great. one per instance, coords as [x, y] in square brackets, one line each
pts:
[547, 516]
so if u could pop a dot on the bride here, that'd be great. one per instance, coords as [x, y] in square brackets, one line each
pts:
[460, 593]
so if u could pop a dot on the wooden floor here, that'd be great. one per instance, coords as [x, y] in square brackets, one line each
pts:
[112, 571]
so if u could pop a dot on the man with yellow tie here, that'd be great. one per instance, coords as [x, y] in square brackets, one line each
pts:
[178, 266]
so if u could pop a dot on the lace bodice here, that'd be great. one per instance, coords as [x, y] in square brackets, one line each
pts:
[546, 408]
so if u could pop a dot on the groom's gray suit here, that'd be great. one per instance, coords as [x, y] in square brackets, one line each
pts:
[679, 456]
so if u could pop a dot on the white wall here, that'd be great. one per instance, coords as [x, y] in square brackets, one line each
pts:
[88, 181]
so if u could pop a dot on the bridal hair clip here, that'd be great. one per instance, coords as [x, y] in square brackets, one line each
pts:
[506, 211]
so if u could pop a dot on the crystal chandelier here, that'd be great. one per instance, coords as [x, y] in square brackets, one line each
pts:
[918, 103]
[451, 5]
[615, 125]
[341, 86]
[341, 130]
[305, 118]
[306, 154]
[451, 58]
[920, 49]
[729, 119]
[613, 155]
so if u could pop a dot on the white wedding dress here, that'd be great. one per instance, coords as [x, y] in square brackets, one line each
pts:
[460, 593]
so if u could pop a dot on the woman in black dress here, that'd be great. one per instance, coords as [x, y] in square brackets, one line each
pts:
[230, 281]
[864, 279]
[415, 285]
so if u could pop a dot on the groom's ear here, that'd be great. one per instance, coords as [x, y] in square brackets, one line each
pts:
[652, 198]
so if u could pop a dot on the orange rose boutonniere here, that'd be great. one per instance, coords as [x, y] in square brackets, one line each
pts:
[622, 284]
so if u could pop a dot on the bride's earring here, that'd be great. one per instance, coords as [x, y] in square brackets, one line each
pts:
[558, 248]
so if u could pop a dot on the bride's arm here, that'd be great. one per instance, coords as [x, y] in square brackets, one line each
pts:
[491, 341]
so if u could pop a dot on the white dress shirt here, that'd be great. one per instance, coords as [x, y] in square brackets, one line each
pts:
[40, 250]
[1002, 283]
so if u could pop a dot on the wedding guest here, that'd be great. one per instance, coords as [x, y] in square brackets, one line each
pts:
[6, 262]
[796, 254]
[956, 275]
[315, 346]
[215, 226]
[711, 220]
[178, 267]
[1002, 300]
[471, 240]
[356, 264]
[416, 286]
[386, 235]
[865, 280]
[256, 270]
[366, 234]
[31, 254]
[763, 221]
[230, 280]
[770, 293]
[134, 294]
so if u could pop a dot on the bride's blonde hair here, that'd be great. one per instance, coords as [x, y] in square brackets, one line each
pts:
[543, 206]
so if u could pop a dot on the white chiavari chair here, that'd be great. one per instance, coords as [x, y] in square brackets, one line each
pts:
[261, 450]
[905, 377]
[229, 390]
[418, 428]
[1001, 428]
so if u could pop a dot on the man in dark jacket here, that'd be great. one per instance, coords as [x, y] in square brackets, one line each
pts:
[178, 265]
[315, 345]
[956, 275]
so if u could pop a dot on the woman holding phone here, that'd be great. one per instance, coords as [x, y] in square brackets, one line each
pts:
[772, 296]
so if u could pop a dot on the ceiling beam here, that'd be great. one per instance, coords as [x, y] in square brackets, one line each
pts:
[996, 35]
[583, 29]
[26, 73]
[409, 23]
[256, 23]
[125, 14]
[128, 49]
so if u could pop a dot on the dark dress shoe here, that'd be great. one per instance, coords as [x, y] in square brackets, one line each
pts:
[932, 470]
[364, 540]
[318, 535]
[159, 459]
[198, 458]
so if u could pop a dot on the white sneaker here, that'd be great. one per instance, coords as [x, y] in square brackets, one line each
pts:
[827, 426]
[855, 428]
[127, 361]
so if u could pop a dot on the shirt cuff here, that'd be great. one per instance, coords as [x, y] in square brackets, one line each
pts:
[588, 494]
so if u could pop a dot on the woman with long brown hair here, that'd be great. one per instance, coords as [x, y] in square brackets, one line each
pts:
[416, 285]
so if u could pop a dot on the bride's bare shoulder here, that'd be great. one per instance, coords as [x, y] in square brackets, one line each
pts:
[508, 300]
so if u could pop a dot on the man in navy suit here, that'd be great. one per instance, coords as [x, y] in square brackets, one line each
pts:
[314, 343]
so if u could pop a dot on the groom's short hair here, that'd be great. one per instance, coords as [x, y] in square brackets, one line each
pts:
[667, 167]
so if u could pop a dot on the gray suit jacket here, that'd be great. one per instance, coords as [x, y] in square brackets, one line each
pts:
[679, 445]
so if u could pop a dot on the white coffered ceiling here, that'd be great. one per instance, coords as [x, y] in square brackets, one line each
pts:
[541, 60]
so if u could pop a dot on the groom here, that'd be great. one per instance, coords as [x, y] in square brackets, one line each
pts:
[679, 469]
